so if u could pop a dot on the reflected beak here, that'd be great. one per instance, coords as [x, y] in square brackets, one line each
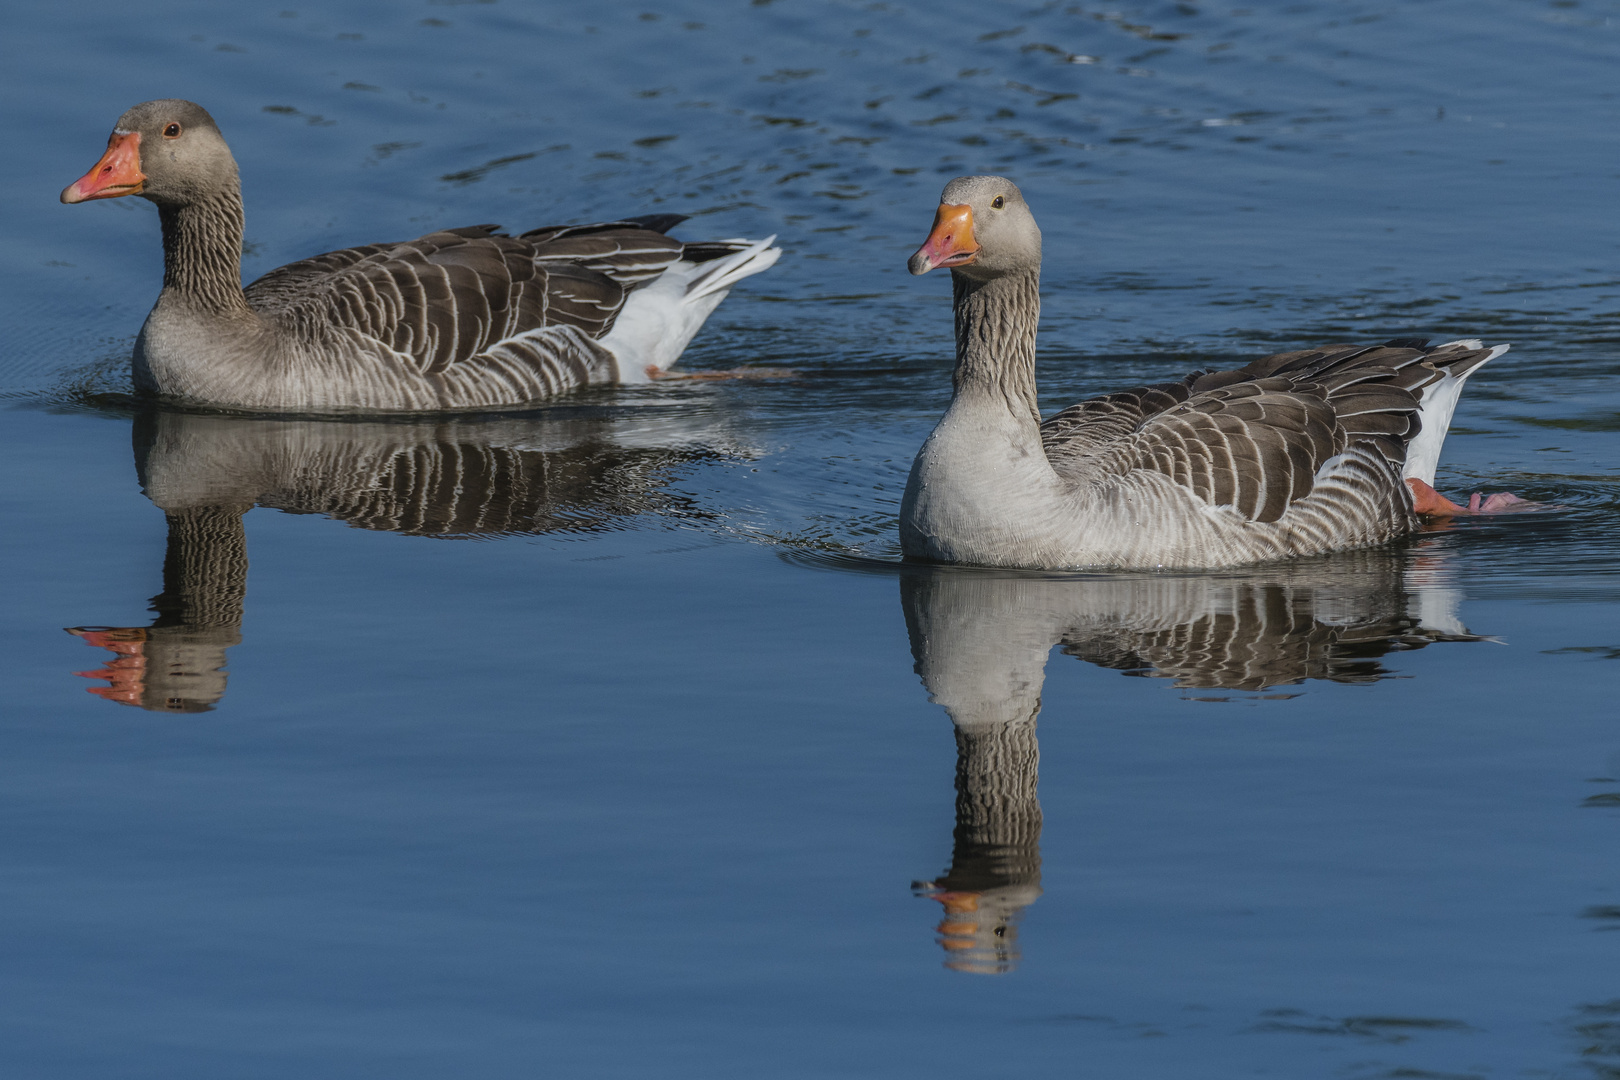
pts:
[959, 903]
[950, 244]
[126, 673]
[117, 173]
[120, 639]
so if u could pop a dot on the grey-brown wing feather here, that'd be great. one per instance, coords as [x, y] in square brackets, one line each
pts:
[1097, 422]
[631, 252]
[450, 296]
[1254, 438]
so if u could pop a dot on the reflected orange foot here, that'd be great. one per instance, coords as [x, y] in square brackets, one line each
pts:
[1430, 503]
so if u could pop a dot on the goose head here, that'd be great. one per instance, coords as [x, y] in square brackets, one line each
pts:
[169, 151]
[982, 230]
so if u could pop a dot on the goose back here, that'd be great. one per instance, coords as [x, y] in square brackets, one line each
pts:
[1260, 438]
[470, 308]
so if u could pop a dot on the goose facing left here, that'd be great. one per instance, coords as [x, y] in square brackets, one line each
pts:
[1295, 454]
[464, 318]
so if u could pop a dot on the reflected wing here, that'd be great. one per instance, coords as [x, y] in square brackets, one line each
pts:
[445, 488]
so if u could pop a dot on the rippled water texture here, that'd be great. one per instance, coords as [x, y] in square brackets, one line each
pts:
[609, 739]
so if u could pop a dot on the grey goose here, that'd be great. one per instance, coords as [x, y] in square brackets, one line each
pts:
[463, 318]
[1295, 454]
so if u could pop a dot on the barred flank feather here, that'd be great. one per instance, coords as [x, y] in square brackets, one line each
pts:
[474, 317]
[1259, 439]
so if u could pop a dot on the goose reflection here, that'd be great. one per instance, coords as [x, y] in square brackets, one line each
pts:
[981, 641]
[443, 478]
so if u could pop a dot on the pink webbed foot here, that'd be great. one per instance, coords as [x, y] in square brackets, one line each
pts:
[1430, 503]
[1500, 503]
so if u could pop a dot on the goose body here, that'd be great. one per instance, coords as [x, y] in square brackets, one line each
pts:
[1296, 454]
[464, 318]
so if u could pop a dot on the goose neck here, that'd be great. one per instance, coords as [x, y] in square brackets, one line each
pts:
[995, 340]
[202, 252]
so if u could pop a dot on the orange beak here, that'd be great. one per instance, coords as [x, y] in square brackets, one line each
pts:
[117, 173]
[950, 244]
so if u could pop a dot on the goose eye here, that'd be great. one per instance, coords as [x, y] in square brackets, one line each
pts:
[172, 131]
[998, 202]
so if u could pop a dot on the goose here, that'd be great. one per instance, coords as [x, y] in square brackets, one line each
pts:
[463, 318]
[1296, 454]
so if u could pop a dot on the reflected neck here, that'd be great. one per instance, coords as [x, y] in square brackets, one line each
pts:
[998, 816]
[995, 340]
[202, 252]
[204, 569]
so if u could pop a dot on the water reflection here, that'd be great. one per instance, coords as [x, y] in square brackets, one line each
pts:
[447, 479]
[177, 664]
[981, 641]
[1597, 1031]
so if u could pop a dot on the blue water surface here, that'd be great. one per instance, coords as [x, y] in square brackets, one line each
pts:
[609, 738]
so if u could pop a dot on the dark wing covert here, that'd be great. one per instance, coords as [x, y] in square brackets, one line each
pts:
[1255, 437]
[451, 295]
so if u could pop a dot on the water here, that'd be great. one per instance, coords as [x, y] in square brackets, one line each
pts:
[590, 740]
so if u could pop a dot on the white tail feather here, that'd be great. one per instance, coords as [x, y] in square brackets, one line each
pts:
[726, 271]
[660, 319]
[1434, 411]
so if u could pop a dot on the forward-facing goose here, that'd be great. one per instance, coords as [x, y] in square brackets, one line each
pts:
[459, 319]
[1295, 454]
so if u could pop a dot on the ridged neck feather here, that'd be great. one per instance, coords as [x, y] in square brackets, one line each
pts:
[204, 569]
[202, 251]
[995, 339]
[998, 816]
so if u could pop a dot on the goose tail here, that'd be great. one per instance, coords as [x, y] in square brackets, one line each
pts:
[1439, 401]
[740, 259]
[660, 319]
